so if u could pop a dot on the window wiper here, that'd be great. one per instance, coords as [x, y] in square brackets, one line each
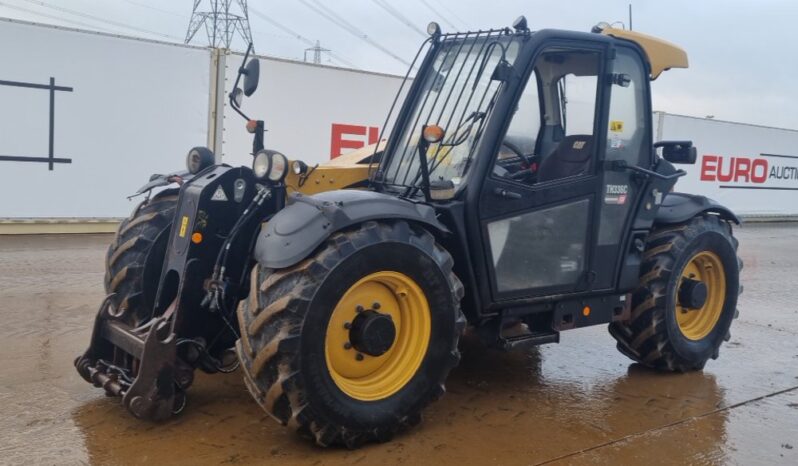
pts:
[470, 120]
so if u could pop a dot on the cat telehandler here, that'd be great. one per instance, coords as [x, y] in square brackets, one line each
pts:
[519, 193]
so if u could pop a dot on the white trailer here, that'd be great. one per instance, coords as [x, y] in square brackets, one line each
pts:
[125, 108]
[122, 109]
[86, 117]
[751, 169]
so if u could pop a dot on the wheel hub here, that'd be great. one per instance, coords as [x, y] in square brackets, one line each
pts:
[378, 335]
[372, 333]
[693, 293]
[701, 295]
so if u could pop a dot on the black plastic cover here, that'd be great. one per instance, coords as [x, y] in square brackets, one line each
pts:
[294, 232]
[681, 207]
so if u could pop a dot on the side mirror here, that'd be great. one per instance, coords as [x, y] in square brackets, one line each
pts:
[237, 96]
[251, 74]
[678, 151]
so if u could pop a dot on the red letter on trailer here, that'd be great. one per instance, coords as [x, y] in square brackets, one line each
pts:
[709, 164]
[374, 134]
[742, 167]
[725, 177]
[759, 177]
[339, 143]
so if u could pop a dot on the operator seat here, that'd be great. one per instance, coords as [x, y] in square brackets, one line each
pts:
[570, 158]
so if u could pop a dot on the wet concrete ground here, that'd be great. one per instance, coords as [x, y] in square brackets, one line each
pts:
[579, 402]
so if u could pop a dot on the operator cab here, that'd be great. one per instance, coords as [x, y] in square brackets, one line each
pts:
[531, 145]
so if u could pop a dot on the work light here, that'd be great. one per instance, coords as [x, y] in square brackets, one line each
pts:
[270, 165]
[198, 159]
[299, 167]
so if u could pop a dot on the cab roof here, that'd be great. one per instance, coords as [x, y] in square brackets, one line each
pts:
[662, 55]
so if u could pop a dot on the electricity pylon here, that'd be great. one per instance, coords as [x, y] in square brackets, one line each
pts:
[222, 20]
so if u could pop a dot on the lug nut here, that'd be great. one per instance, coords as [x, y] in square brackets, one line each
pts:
[375, 306]
[347, 345]
[347, 325]
[359, 308]
[359, 357]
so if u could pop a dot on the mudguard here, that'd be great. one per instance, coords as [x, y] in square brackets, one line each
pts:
[681, 207]
[157, 180]
[294, 232]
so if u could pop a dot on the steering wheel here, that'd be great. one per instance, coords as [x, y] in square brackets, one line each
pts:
[529, 161]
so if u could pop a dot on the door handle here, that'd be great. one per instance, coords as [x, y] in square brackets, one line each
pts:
[501, 192]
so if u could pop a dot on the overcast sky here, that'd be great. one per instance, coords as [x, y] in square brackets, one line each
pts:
[743, 62]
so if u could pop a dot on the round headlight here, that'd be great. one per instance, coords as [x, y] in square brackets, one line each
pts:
[262, 164]
[279, 167]
[299, 167]
[270, 165]
[198, 159]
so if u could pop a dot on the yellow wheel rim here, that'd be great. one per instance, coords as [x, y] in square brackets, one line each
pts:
[371, 378]
[697, 323]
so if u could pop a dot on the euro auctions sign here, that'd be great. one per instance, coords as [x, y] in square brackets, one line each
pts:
[763, 172]
[753, 170]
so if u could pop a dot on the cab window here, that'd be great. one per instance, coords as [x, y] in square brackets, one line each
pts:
[551, 134]
[627, 122]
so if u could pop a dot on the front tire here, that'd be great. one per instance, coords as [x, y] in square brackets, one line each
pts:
[135, 258]
[309, 362]
[675, 324]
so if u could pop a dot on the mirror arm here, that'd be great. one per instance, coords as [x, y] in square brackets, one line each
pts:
[659, 144]
[620, 165]
[235, 107]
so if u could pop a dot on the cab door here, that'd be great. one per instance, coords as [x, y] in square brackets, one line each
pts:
[629, 139]
[561, 228]
[538, 209]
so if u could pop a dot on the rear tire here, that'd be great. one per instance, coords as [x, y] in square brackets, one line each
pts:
[664, 332]
[290, 355]
[135, 258]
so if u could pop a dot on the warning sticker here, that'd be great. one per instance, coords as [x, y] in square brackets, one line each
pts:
[219, 195]
[616, 126]
[183, 226]
[615, 142]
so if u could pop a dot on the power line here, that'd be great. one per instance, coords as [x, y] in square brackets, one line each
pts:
[99, 19]
[342, 23]
[439, 15]
[451, 12]
[398, 15]
[183, 16]
[155, 8]
[298, 36]
[57, 18]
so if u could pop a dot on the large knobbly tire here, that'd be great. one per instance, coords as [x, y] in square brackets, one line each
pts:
[284, 325]
[653, 336]
[135, 258]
